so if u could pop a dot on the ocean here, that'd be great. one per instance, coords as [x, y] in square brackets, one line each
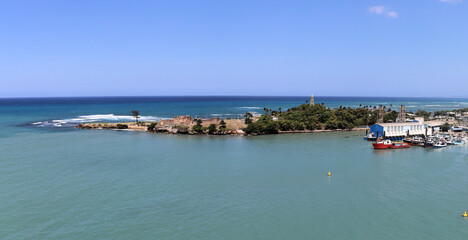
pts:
[59, 182]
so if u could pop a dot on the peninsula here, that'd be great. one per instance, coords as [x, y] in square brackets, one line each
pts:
[308, 117]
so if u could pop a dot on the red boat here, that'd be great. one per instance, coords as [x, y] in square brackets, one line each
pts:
[387, 144]
[382, 144]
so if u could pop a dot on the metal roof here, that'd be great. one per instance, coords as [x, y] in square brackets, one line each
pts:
[400, 124]
[434, 124]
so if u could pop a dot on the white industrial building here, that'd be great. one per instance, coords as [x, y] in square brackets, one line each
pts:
[400, 130]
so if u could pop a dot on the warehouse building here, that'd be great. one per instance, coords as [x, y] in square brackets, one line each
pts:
[396, 131]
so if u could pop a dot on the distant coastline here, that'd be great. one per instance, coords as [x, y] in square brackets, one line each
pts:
[310, 117]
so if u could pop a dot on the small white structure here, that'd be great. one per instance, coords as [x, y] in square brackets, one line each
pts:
[419, 119]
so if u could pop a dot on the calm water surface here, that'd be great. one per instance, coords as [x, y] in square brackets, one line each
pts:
[63, 183]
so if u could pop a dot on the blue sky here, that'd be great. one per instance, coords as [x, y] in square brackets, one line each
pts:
[351, 48]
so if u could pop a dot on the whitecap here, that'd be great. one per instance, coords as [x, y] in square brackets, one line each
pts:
[71, 122]
[250, 107]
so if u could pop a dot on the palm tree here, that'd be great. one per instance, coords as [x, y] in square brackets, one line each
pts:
[248, 118]
[136, 115]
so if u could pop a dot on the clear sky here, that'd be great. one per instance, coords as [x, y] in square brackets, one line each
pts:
[352, 48]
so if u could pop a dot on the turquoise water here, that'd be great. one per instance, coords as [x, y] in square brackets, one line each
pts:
[65, 183]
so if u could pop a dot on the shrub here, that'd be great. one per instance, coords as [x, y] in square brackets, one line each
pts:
[222, 125]
[445, 127]
[284, 125]
[122, 126]
[297, 125]
[264, 125]
[212, 129]
[182, 129]
[197, 128]
[152, 126]
[248, 118]
[331, 124]
[311, 125]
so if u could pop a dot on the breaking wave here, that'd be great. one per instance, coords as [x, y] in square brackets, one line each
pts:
[234, 115]
[72, 122]
[250, 107]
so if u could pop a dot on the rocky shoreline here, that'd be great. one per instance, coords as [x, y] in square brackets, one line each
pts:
[147, 127]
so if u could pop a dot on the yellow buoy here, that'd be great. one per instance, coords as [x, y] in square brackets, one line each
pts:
[329, 174]
[464, 214]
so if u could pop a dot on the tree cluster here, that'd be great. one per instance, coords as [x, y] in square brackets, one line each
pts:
[445, 127]
[307, 117]
[422, 113]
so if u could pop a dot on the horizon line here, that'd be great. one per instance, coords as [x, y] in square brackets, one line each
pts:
[149, 96]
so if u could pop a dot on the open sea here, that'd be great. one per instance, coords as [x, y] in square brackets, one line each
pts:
[59, 182]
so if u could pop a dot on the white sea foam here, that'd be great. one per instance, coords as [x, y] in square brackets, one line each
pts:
[70, 122]
[250, 107]
[226, 114]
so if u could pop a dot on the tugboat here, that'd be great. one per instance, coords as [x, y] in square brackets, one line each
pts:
[382, 144]
[388, 144]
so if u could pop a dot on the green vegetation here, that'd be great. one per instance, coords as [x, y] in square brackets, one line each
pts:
[445, 127]
[136, 115]
[264, 124]
[391, 116]
[222, 125]
[152, 126]
[212, 129]
[306, 117]
[198, 127]
[248, 118]
[182, 129]
[423, 113]
[122, 126]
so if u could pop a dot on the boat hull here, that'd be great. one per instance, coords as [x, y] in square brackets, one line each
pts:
[381, 145]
